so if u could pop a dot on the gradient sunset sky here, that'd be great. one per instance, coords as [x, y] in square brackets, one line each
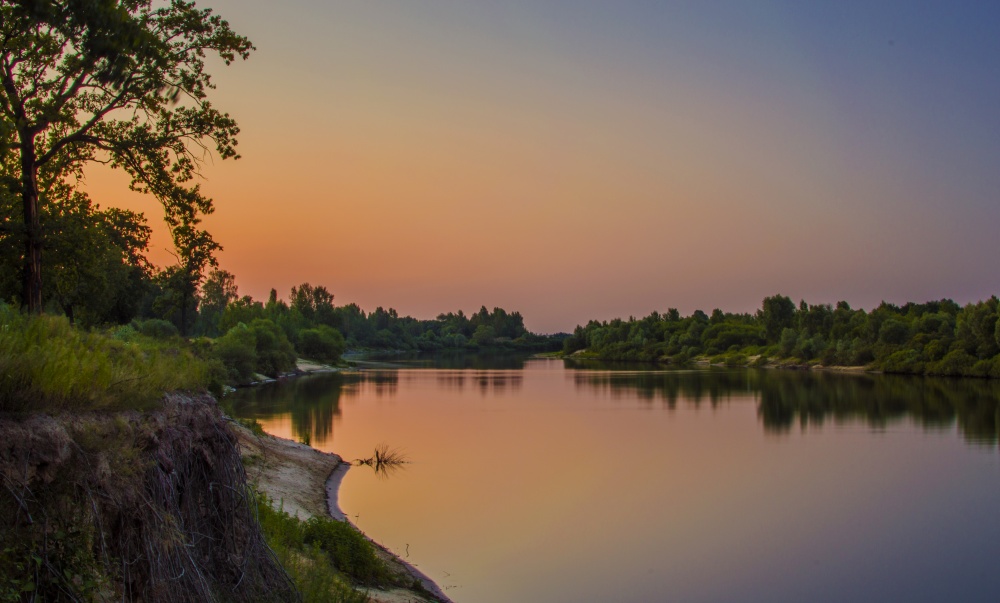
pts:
[580, 159]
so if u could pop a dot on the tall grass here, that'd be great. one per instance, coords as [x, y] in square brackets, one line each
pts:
[47, 365]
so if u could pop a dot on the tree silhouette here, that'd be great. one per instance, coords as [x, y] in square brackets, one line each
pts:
[120, 82]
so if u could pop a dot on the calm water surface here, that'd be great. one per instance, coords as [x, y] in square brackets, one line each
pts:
[539, 481]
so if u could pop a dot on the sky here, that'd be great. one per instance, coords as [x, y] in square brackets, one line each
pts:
[578, 160]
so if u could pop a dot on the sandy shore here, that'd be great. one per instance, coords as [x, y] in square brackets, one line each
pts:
[306, 482]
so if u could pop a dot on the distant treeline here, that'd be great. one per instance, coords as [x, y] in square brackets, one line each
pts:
[313, 308]
[933, 338]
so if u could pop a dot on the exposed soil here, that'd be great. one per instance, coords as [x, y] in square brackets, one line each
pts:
[133, 506]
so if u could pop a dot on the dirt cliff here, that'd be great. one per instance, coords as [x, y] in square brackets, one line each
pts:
[147, 506]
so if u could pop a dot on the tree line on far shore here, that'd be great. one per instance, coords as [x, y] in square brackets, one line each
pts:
[933, 338]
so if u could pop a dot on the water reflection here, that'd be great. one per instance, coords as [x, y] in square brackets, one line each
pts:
[808, 398]
[451, 360]
[668, 387]
[380, 384]
[489, 383]
[785, 399]
[312, 404]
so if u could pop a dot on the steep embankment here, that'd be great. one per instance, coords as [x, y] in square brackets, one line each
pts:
[131, 506]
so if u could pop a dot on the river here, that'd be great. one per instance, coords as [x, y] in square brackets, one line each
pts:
[545, 480]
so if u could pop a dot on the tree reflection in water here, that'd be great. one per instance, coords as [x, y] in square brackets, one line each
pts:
[313, 403]
[810, 398]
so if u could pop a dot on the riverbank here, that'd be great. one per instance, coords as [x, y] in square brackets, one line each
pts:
[305, 483]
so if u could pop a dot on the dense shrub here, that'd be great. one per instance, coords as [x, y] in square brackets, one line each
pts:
[349, 551]
[237, 350]
[955, 363]
[261, 347]
[317, 572]
[903, 361]
[322, 343]
[275, 354]
[156, 328]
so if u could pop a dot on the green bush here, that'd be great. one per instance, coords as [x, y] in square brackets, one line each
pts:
[736, 360]
[126, 333]
[261, 347]
[156, 328]
[787, 343]
[349, 551]
[903, 361]
[936, 349]
[323, 343]
[955, 363]
[275, 354]
[237, 350]
[315, 574]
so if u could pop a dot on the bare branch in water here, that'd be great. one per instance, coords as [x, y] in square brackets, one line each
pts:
[385, 460]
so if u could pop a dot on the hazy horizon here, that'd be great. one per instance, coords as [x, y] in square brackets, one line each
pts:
[588, 160]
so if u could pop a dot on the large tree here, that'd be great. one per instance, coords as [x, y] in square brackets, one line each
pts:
[776, 314]
[123, 82]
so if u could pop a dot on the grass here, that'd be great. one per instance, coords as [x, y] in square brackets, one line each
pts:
[323, 556]
[47, 365]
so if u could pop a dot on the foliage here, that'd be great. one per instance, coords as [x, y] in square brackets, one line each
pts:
[218, 291]
[934, 338]
[349, 551]
[776, 314]
[323, 343]
[320, 330]
[177, 286]
[121, 83]
[156, 328]
[96, 270]
[46, 365]
[237, 350]
[260, 347]
[316, 562]
[275, 354]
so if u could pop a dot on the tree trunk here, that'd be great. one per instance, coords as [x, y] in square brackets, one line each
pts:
[32, 227]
